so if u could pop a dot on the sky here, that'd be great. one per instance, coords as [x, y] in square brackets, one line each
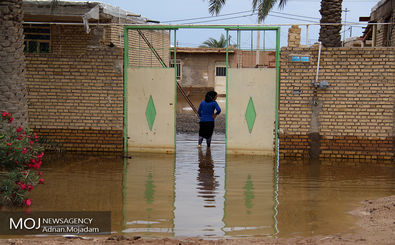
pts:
[238, 12]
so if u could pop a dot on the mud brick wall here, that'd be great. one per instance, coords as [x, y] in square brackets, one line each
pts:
[140, 54]
[353, 118]
[294, 36]
[75, 93]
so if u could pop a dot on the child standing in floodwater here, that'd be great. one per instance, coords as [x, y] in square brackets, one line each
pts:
[208, 111]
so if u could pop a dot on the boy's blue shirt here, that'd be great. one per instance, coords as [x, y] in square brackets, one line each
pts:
[206, 110]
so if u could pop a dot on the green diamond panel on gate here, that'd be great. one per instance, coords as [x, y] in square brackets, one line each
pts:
[250, 115]
[150, 113]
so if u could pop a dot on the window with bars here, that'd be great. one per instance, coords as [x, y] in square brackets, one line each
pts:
[178, 64]
[37, 38]
[220, 71]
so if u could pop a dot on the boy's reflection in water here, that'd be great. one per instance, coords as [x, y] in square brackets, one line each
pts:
[206, 178]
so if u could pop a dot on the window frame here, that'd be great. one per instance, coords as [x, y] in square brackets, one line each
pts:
[32, 36]
[220, 71]
[179, 70]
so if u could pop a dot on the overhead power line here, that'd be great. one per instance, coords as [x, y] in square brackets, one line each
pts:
[289, 18]
[207, 17]
[248, 15]
[314, 18]
[229, 18]
[216, 18]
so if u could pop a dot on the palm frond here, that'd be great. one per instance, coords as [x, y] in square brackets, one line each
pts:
[263, 7]
[282, 3]
[215, 6]
[213, 43]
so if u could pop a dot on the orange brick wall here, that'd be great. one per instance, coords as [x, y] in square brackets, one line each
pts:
[75, 93]
[140, 55]
[357, 115]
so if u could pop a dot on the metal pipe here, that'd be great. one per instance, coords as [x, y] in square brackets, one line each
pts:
[244, 27]
[258, 41]
[277, 90]
[125, 92]
[227, 86]
[238, 48]
[230, 27]
[251, 47]
[318, 62]
[277, 140]
[175, 89]
[315, 83]
[264, 49]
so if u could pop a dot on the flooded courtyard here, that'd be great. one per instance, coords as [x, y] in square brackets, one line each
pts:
[203, 193]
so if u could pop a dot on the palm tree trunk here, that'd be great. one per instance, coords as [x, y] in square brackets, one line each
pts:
[331, 12]
[12, 61]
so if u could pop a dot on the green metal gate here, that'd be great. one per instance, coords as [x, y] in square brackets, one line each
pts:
[150, 86]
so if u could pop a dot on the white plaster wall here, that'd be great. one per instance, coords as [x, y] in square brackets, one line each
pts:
[260, 85]
[160, 84]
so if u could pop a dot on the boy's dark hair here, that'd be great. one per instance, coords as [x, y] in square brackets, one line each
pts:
[210, 96]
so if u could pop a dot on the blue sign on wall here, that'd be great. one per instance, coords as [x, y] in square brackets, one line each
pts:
[300, 58]
[295, 58]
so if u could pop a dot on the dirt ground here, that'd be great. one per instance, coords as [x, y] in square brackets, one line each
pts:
[377, 222]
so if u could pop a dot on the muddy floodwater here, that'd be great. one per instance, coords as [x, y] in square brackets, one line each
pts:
[203, 193]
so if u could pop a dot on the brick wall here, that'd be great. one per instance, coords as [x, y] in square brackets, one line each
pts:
[384, 12]
[248, 59]
[294, 36]
[353, 118]
[75, 93]
[140, 55]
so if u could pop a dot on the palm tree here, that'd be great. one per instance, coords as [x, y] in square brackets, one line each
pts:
[331, 11]
[12, 65]
[213, 43]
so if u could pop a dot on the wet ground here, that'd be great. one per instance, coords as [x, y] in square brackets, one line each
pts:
[202, 193]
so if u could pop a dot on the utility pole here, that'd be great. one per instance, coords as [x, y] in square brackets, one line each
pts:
[344, 27]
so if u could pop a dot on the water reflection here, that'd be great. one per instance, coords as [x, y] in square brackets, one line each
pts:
[249, 196]
[206, 178]
[197, 192]
[200, 188]
[316, 197]
[81, 183]
[149, 194]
